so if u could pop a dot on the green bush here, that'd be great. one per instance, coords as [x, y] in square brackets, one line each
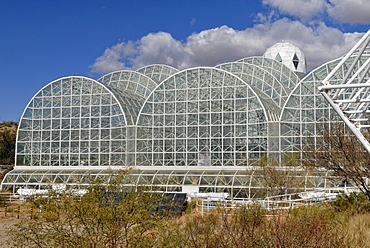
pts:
[252, 226]
[109, 215]
[354, 202]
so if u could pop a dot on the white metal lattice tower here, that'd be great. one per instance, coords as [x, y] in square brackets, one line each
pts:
[347, 89]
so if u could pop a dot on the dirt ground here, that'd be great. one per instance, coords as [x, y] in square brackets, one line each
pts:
[8, 218]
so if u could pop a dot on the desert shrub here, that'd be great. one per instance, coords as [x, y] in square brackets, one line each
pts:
[306, 227]
[189, 206]
[254, 227]
[245, 227]
[353, 202]
[124, 218]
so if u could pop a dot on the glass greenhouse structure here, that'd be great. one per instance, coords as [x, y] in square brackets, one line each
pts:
[201, 129]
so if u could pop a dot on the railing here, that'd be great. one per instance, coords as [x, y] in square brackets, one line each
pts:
[280, 202]
[8, 197]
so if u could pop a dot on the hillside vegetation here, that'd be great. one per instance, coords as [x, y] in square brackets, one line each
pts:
[8, 134]
[8, 125]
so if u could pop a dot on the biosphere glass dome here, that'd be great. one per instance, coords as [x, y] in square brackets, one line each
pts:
[288, 54]
[202, 129]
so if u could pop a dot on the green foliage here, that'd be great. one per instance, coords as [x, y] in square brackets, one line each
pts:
[65, 221]
[251, 226]
[353, 202]
[7, 147]
[189, 206]
[107, 216]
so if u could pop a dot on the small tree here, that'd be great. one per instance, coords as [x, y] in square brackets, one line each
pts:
[280, 178]
[339, 151]
[109, 215]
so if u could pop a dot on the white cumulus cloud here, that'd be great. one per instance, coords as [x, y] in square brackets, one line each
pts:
[320, 44]
[350, 11]
[160, 48]
[344, 11]
[111, 58]
[303, 9]
[154, 48]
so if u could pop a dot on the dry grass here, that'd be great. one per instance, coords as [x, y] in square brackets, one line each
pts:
[320, 227]
[358, 229]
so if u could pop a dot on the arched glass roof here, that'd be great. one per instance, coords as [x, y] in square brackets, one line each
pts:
[73, 121]
[238, 183]
[273, 93]
[158, 72]
[201, 116]
[131, 88]
[276, 68]
[306, 111]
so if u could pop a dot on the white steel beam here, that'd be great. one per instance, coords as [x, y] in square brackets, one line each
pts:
[349, 97]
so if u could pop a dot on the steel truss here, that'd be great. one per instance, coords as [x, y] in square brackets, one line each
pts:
[350, 96]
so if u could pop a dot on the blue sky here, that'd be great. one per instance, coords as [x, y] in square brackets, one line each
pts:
[42, 41]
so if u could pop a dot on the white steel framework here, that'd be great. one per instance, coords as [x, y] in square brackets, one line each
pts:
[350, 96]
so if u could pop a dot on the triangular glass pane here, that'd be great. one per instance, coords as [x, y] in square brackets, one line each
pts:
[278, 57]
[295, 61]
